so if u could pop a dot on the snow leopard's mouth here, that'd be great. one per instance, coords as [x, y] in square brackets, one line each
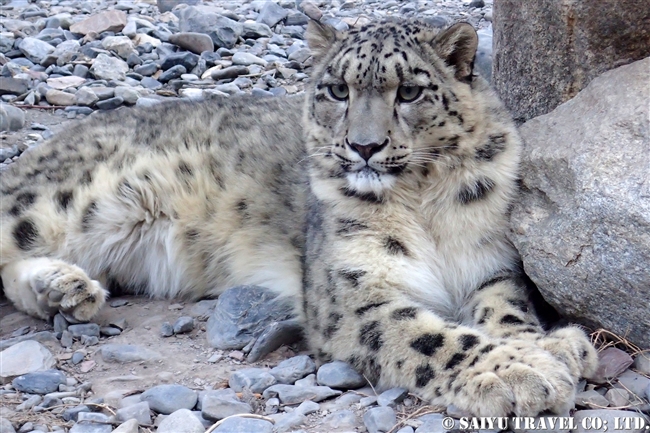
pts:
[369, 180]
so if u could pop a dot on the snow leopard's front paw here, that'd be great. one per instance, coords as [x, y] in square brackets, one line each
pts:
[60, 286]
[571, 346]
[517, 378]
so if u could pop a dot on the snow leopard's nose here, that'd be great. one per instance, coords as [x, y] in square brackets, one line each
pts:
[366, 150]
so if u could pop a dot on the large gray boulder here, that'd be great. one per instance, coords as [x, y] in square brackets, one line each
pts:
[582, 224]
[545, 52]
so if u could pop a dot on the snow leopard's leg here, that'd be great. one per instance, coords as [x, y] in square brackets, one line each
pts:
[42, 286]
[502, 308]
[398, 344]
[357, 314]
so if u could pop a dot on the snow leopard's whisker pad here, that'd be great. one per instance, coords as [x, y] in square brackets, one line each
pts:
[378, 201]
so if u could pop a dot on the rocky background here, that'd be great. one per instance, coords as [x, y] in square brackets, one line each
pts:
[156, 366]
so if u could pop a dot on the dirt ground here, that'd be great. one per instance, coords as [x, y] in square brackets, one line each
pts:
[184, 357]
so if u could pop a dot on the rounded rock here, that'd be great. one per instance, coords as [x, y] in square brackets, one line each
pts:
[244, 425]
[40, 382]
[167, 399]
[11, 118]
[379, 419]
[57, 97]
[292, 369]
[24, 357]
[340, 375]
[183, 324]
[181, 421]
[194, 42]
[256, 379]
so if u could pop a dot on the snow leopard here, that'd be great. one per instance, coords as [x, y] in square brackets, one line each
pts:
[377, 202]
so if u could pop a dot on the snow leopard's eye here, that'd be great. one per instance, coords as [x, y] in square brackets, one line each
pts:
[339, 92]
[408, 93]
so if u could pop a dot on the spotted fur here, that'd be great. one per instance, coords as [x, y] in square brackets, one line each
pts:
[384, 216]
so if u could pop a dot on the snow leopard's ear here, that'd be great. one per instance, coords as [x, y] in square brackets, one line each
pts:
[320, 37]
[457, 47]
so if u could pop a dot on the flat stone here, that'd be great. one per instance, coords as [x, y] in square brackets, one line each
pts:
[275, 335]
[309, 380]
[379, 419]
[633, 382]
[308, 407]
[300, 55]
[229, 72]
[61, 83]
[153, 84]
[89, 329]
[39, 382]
[642, 363]
[109, 68]
[271, 14]
[25, 357]
[146, 69]
[121, 45]
[11, 118]
[138, 412]
[80, 71]
[311, 10]
[185, 58]
[128, 94]
[130, 426]
[256, 30]
[103, 92]
[220, 404]
[85, 97]
[591, 399]
[245, 425]
[13, 86]
[194, 42]
[285, 422]
[109, 331]
[392, 397]
[291, 394]
[90, 427]
[72, 413]
[166, 399]
[292, 369]
[110, 104]
[247, 59]
[29, 403]
[618, 397]
[339, 375]
[171, 73]
[296, 18]
[107, 21]
[611, 363]
[432, 423]
[181, 421]
[256, 379]
[58, 97]
[183, 325]
[35, 49]
[608, 417]
[242, 313]
[223, 31]
[124, 353]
